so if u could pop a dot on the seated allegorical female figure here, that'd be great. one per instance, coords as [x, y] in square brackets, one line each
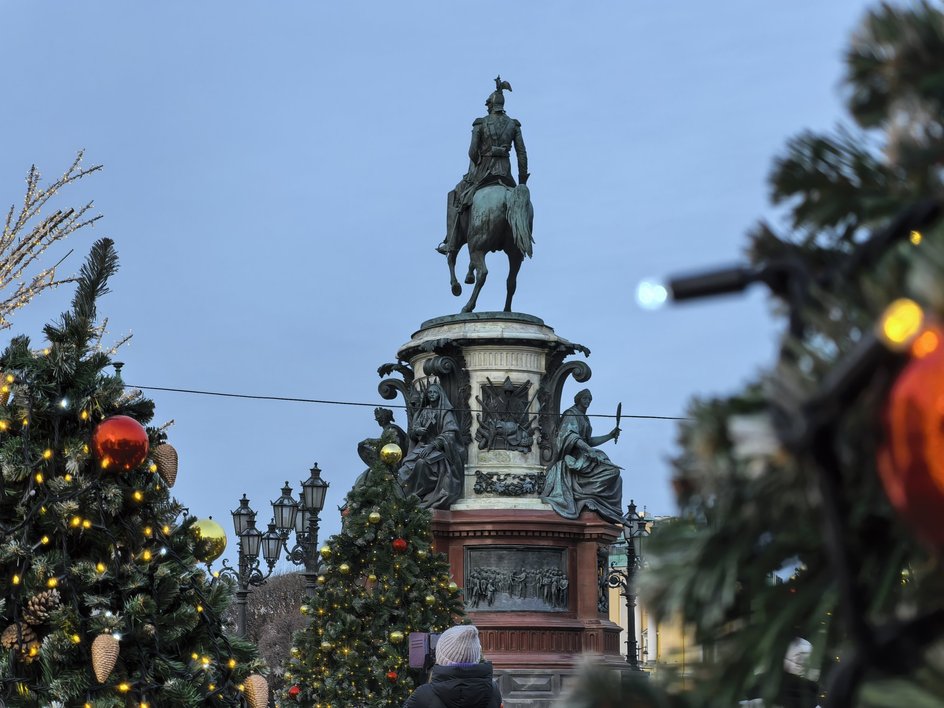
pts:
[433, 468]
[580, 476]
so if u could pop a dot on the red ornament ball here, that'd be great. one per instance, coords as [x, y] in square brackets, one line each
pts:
[911, 459]
[392, 676]
[399, 545]
[293, 692]
[120, 441]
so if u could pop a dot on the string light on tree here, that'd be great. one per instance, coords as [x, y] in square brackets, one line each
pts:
[90, 535]
[364, 588]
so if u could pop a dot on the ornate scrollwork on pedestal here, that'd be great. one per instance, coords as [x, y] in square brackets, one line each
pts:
[508, 485]
[549, 397]
[389, 388]
[603, 601]
[449, 368]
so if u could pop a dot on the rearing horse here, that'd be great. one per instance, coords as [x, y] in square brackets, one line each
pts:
[500, 219]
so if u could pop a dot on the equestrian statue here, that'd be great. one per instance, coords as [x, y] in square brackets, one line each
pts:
[488, 211]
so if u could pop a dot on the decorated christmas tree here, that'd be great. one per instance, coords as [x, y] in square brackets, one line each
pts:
[380, 581]
[102, 600]
[808, 559]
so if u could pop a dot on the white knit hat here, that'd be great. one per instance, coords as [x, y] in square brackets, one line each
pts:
[458, 645]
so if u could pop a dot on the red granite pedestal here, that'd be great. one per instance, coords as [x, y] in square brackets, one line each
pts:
[532, 579]
[535, 653]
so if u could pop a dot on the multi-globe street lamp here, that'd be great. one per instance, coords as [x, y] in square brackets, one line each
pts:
[288, 514]
[634, 526]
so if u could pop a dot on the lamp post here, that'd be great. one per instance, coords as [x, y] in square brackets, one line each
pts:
[248, 573]
[302, 517]
[633, 527]
[288, 514]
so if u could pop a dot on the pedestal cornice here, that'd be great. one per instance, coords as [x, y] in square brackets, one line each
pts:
[486, 328]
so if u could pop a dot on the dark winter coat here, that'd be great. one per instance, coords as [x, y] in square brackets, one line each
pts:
[464, 686]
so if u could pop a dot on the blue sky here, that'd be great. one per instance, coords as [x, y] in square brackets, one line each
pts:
[275, 179]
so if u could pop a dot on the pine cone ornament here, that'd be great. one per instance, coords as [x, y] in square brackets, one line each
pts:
[104, 656]
[165, 457]
[41, 606]
[257, 691]
[18, 636]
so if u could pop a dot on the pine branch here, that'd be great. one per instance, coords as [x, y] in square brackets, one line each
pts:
[92, 281]
[77, 327]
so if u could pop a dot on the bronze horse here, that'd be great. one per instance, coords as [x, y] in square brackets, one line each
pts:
[500, 219]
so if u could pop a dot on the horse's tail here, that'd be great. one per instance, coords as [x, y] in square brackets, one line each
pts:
[520, 215]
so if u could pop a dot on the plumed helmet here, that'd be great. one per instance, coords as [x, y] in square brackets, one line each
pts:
[496, 101]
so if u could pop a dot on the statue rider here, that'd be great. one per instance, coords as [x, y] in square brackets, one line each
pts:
[489, 153]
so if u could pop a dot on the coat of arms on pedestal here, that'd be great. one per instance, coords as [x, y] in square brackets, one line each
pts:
[504, 422]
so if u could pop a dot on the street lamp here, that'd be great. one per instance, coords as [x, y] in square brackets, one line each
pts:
[248, 572]
[634, 526]
[288, 514]
[302, 517]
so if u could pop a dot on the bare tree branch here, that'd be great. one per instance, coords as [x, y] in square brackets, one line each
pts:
[26, 236]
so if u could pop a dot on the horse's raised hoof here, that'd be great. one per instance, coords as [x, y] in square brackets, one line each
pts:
[456, 289]
[470, 279]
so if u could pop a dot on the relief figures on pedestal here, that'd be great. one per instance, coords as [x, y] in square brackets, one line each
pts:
[580, 476]
[516, 579]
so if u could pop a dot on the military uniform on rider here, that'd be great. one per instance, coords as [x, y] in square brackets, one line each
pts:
[493, 138]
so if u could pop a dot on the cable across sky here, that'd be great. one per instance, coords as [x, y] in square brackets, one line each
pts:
[385, 404]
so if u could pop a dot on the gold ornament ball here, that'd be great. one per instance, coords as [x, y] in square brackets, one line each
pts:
[372, 578]
[374, 517]
[420, 553]
[322, 580]
[396, 636]
[325, 552]
[211, 539]
[430, 600]
[304, 609]
[391, 453]
[453, 587]
[326, 645]
[344, 568]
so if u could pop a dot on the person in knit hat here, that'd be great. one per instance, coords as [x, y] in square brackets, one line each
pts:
[459, 679]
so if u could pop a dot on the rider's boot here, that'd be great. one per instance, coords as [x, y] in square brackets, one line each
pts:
[452, 216]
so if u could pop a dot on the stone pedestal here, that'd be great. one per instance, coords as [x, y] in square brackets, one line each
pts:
[532, 580]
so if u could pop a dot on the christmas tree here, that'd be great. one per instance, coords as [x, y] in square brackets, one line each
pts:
[102, 600]
[380, 581]
[812, 499]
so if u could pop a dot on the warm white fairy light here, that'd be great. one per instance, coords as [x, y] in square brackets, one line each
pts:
[26, 236]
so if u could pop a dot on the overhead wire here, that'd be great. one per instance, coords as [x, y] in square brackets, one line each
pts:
[385, 404]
